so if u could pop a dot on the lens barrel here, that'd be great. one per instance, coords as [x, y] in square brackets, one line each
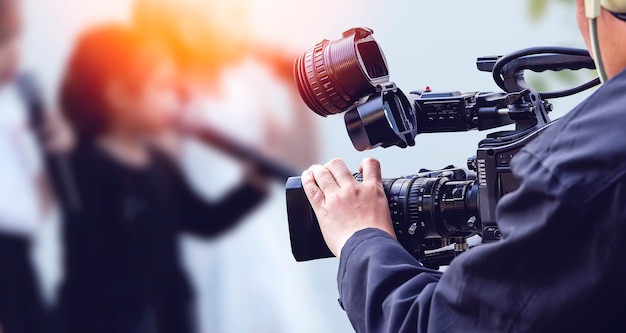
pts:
[334, 75]
[438, 204]
[426, 208]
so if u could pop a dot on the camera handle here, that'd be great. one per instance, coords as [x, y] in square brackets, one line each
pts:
[508, 73]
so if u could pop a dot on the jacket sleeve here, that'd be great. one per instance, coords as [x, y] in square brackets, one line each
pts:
[382, 287]
[529, 281]
[210, 219]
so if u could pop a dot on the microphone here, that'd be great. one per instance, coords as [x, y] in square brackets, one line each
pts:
[57, 165]
[241, 152]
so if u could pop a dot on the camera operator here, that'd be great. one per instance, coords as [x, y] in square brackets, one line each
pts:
[558, 266]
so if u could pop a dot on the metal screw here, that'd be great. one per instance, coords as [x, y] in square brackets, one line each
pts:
[471, 222]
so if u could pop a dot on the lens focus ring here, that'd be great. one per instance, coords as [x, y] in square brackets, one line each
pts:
[321, 92]
[334, 76]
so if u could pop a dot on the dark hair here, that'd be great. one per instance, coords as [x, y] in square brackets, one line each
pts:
[102, 54]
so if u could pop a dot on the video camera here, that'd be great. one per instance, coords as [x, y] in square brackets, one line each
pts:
[434, 213]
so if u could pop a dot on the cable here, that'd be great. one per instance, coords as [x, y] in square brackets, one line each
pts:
[595, 45]
[572, 91]
[593, 10]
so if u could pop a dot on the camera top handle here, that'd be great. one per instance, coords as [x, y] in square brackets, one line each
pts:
[508, 71]
[528, 108]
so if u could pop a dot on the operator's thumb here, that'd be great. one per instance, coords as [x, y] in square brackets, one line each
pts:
[370, 167]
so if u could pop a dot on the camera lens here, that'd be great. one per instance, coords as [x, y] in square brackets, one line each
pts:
[384, 120]
[334, 75]
[429, 205]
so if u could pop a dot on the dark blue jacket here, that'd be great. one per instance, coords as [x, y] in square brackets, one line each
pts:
[561, 266]
[122, 257]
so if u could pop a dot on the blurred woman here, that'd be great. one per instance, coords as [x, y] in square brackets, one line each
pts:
[244, 87]
[213, 45]
[122, 258]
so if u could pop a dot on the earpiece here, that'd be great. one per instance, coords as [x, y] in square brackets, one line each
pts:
[615, 6]
[593, 8]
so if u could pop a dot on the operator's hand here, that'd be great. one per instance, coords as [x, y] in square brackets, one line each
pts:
[343, 205]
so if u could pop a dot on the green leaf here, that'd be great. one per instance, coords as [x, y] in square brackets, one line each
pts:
[537, 9]
[538, 83]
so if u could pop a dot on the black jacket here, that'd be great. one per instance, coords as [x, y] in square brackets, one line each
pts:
[561, 266]
[122, 262]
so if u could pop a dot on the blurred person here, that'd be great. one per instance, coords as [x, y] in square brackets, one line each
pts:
[122, 266]
[244, 88]
[210, 40]
[25, 199]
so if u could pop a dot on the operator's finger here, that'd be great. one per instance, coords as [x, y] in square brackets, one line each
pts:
[340, 171]
[324, 178]
[370, 168]
[313, 192]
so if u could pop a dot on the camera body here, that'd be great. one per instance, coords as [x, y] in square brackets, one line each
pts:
[433, 208]
[434, 213]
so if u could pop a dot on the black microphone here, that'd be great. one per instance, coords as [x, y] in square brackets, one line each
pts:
[241, 152]
[57, 165]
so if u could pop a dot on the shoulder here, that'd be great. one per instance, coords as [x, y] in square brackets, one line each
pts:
[584, 149]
